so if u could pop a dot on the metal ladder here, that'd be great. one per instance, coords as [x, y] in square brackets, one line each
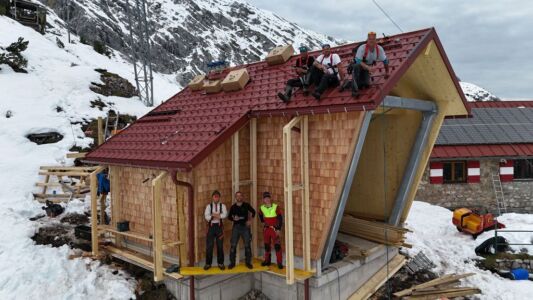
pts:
[111, 124]
[498, 192]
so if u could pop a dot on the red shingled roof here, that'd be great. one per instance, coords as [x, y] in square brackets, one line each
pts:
[478, 151]
[182, 131]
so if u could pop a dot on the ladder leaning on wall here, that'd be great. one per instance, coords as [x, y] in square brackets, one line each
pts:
[498, 192]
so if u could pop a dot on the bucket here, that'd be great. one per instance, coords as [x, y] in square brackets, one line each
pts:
[520, 274]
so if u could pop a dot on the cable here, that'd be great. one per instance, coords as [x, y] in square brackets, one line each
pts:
[387, 15]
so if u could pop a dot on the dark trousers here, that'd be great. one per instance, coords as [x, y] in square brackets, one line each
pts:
[215, 233]
[241, 230]
[360, 77]
[324, 81]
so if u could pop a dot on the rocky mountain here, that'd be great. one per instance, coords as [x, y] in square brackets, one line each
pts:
[186, 34]
[475, 93]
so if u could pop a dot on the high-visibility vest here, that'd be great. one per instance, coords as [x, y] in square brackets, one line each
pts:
[269, 212]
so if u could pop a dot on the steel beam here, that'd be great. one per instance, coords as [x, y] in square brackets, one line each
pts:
[406, 103]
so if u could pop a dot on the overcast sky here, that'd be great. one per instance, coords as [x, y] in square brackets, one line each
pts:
[489, 42]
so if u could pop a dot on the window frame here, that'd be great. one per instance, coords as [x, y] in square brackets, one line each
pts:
[453, 164]
[524, 169]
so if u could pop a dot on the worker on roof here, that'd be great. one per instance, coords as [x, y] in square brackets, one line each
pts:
[271, 217]
[366, 56]
[214, 213]
[241, 214]
[326, 71]
[303, 66]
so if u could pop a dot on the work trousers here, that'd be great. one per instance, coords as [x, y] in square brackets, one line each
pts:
[324, 81]
[215, 233]
[270, 237]
[241, 230]
[360, 77]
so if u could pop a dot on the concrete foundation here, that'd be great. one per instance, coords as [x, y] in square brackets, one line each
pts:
[338, 281]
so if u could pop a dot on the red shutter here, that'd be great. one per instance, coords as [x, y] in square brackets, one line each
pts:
[473, 171]
[436, 173]
[506, 171]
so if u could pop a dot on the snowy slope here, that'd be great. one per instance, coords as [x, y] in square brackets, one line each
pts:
[453, 252]
[188, 34]
[475, 93]
[57, 77]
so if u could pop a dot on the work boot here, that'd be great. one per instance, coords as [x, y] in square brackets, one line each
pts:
[280, 266]
[344, 85]
[231, 266]
[286, 97]
[207, 267]
[317, 95]
[222, 267]
[249, 266]
[265, 263]
[305, 90]
[355, 89]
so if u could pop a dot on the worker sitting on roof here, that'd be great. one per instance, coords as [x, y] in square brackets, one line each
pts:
[366, 56]
[303, 69]
[272, 219]
[214, 213]
[241, 213]
[326, 71]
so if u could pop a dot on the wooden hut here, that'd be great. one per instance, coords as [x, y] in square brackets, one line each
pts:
[361, 155]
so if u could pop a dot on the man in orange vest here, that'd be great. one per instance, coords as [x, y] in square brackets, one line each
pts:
[272, 218]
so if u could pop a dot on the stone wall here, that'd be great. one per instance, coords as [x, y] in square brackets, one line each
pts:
[509, 264]
[518, 194]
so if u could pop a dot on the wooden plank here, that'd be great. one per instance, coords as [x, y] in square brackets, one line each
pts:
[76, 155]
[94, 210]
[180, 206]
[103, 198]
[438, 281]
[452, 294]
[46, 180]
[235, 174]
[157, 226]
[378, 279]
[100, 131]
[253, 176]
[116, 203]
[66, 173]
[68, 168]
[131, 234]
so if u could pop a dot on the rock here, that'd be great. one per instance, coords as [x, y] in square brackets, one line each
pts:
[75, 219]
[113, 85]
[59, 43]
[12, 55]
[45, 137]
[56, 236]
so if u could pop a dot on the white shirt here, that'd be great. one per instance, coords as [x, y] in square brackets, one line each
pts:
[333, 59]
[216, 209]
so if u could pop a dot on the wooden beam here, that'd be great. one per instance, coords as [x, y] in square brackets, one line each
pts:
[46, 181]
[378, 279]
[235, 172]
[253, 176]
[66, 173]
[180, 206]
[116, 202]
[94, 210]
[305, 194]
[157, 226]
[76, 155]
[71, 168]
[131, 234]
[100, 131]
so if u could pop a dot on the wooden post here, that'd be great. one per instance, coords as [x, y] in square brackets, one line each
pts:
[100, 131]
[116, 203]
[46, 181]
[94, 210]
[235, 175]
[306, 231]
[253, 177]
[288, 188]
[157, 227]
[103, 197]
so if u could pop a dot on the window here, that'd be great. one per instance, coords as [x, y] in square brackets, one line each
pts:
[523, 169]
[454, 171]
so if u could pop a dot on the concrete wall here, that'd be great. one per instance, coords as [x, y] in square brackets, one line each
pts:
[518, 194]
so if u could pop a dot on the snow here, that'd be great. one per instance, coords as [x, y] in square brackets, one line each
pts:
[453, 252]
[475, 93]
[57, 77]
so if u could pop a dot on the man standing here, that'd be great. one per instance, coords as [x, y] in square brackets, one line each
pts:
[303, 70]
[366, 56]
[214, 213]
[326, 71]
[271, 217]
[240, 213]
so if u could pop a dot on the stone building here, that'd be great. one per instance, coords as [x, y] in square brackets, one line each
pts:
[473, 156]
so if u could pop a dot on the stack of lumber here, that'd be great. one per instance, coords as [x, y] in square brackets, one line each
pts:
[374, 231]
[71, 181]
[443, 287]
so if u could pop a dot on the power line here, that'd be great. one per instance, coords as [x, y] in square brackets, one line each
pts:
[387, 15]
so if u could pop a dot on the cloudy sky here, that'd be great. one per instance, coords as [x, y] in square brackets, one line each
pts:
[489, 42]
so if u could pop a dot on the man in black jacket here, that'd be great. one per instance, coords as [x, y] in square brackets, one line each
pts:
[241, 213]
[303, 70]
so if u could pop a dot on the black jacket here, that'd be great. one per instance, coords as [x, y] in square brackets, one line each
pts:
[241, 212]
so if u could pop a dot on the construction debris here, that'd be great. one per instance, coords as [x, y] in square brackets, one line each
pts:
[419, 262]
[71, 182]
[374, 231]
[445, 286]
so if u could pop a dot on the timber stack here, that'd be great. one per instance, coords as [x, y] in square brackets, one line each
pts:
[374, 231]
[443, 287]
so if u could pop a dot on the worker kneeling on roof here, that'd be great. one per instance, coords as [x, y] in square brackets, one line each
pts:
[326, 71]
[303, 66]
[214, 213]
[241, 214]
[272, 219]
[366, 56]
